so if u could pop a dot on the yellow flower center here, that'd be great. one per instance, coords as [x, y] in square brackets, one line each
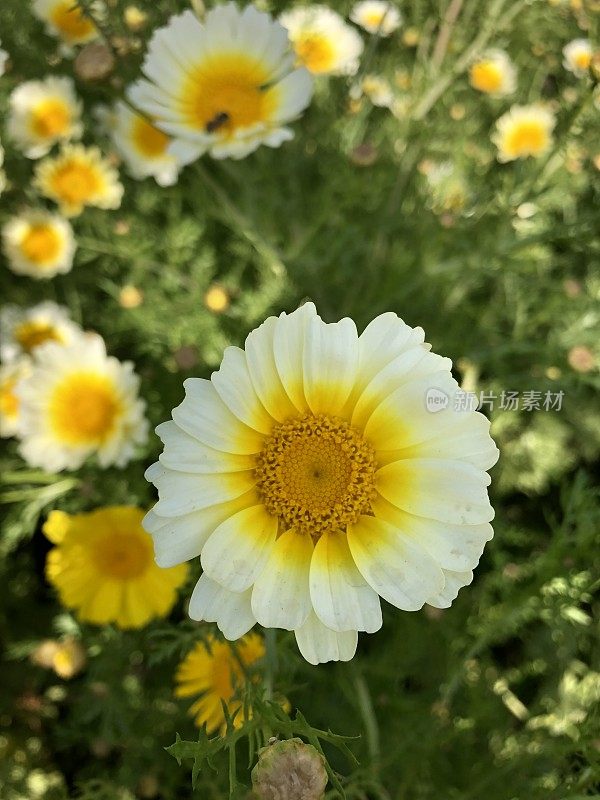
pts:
[9, 402]
[486, 76]
[227, 92]
[76, 182]
[583, 60]
[373, 19]
[84, 408]
[315, 51]
[316, 474]
[147, 139]
[50, 118]
[527, 138]
[33, 333]
[71, 22]
[41, 244]
[123, 555]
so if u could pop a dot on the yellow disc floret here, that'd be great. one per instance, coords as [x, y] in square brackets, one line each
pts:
[316, 473]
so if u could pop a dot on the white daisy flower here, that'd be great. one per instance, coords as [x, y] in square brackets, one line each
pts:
[494, 74]
[376, 16]
[10, 377]
[3, 59]
[66, 21]
[42, 113]
[78, 177]
[323, 42]
[311, 480]
[79, 402]
[2, 173]
[577, 56]
[143, 147]
[38, 244]
[524, 131]
[224, 86]
[23, 330]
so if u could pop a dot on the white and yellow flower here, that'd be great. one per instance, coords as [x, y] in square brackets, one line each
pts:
[65, 21]
[79, 402]
[524, 131]
[376, 16]
[3, 180]
[311, 479]
[79, 176]
[143, 147]
[378, 90]
[38, 244]
[23, 330]
[42, 113]
[494, 74]
[10, 376]
[577, 56]
[224, 86]
[322, 40]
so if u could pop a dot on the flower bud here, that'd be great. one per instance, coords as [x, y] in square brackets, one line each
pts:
[94, 62]
[289, 770]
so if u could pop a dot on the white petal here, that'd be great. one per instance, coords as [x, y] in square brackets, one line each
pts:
[234, 387]
[454, 583]
[449, 491]
[288, 347]
[238, 549]
[341, 597]
[183, 492]
[384, 339]
[330, 364]
[403, 573]
[319, 644]
[230, 610]
[204, 416]
[281, 597]
[184, 453]
[263, 371]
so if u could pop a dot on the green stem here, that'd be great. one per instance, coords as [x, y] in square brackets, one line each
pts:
[271, 661]
[365, 706]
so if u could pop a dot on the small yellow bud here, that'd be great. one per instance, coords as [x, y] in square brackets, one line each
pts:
[216, 298]
[130, 297]
[135, 18]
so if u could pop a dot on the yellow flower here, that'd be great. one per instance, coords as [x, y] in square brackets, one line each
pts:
[66, 657]
[102, 567]
[494, 74]
[314, 473]
[215, 670]
[65, 20]
[38, 244]
[79, 402]
[323, 42]
[225, 85]
[79, 177]
[524, 131]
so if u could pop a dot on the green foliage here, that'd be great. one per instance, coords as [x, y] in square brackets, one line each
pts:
[496, 697]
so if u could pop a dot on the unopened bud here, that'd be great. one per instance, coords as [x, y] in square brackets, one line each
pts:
[135, 18]
[216, 299]
[364, 155]
[94, 62]
[289, 770]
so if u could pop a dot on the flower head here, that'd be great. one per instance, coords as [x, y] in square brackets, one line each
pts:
[10, 375]
[144, 148]
[378, 90]
[78, 402]
[66, 657]
[322, 41]
[289, 769]
[65, 20]
[38, 244]
[22, 331]
[102, 567]
[376, 16]
[577, 56]
[524, 131]
[42, 113]
[494, 74]
[214, 670]
[79, 177]
[225, 85]
[310, 478]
